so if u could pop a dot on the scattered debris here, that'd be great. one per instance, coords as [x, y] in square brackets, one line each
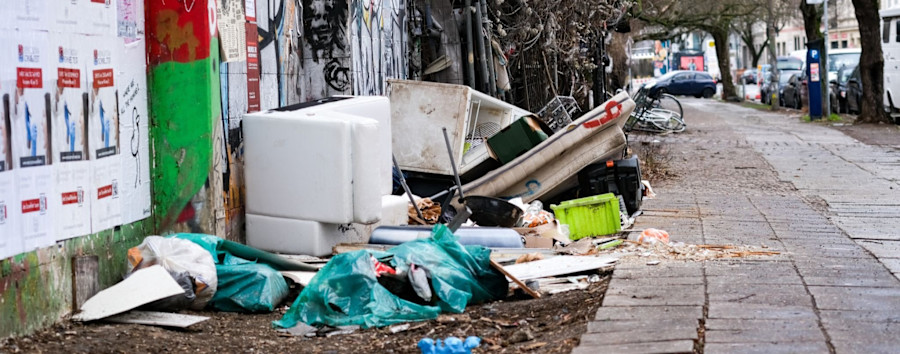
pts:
[560, 265]
[299, 277]
[522, 335]
[141, 287]
[512, 278]
[535, 256]
[399, 328]
[152, 318]
[652, 263]
[682, 251]
[650, 236]
[300, 330]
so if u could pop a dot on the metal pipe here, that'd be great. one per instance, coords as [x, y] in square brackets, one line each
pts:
[470, 58]
[489, 49]
[453, 165]
[482, 55]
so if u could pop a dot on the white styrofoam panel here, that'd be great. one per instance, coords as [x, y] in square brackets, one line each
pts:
[379, 109]
[298, 167]
[292, 236]
[394, 210]
[366, 185]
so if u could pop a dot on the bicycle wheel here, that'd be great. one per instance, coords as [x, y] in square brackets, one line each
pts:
[669, 102]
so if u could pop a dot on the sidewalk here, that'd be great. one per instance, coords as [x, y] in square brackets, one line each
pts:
[829, 203]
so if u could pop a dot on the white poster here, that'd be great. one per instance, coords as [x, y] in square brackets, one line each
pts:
[10, 239]
[232, 31]
[35, 188]
[131, 84]
[69, 135]
[30, 14]
[101, 18]
[130, 19]
[30, 114]
[67, 16]
[103, 135]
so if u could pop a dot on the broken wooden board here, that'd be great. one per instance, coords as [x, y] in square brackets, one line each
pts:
[142, 287]
[560, 265]
[85, 279]
[512, 278]
[299, 277]
[153, 318]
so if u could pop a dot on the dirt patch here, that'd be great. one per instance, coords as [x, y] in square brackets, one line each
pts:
[552, 324]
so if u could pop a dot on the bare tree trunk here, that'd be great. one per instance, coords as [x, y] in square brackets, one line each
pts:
[773, 60]
[720, 36]
[871, 63]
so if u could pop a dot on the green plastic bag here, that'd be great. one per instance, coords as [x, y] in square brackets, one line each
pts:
[243, 285]
[347, 292]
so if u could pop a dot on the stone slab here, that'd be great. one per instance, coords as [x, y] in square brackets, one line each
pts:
[766, 348]
[672, 346]
[641, 326]
[627, 337]
[659, 299]
[756, 311]
[648, 312]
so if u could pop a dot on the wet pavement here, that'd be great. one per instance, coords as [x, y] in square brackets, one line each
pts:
[829, 203]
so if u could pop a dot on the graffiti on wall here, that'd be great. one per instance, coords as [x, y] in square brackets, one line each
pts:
[378, 44]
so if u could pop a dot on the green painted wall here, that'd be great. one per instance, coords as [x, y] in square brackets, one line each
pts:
[184, 105]
[36, 287]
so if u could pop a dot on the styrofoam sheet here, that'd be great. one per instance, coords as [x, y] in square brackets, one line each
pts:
[298, 167]
[379, 109]
[141, 287]
[293, 236]
[555, 162]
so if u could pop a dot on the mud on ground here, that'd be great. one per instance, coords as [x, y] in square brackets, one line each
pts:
[552, 324]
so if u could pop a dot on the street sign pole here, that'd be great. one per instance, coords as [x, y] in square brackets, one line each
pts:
[825, 82]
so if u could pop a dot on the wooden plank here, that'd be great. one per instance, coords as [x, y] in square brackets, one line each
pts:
[299, 277]
[142, 287]
[514, 280]
[153, 318]
[85, 279]
[560, 265]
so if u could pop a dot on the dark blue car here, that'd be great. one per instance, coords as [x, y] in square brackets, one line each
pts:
[688, 83]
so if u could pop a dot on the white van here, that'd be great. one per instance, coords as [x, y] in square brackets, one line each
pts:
[890, 46]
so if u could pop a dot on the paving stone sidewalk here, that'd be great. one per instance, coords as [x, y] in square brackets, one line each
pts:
[829, 203]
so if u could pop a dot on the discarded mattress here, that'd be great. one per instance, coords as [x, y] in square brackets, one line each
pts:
[552, 166]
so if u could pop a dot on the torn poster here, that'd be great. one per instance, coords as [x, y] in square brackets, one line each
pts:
[230, 20]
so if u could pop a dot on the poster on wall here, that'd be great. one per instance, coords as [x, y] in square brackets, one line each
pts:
[67, 16]
[252, 69]
[101, 17]
[30, 114]
[103, 135]
[230, 20]
[10, 240]
[69, 135]
[30, 14]
[131, 84]
[130, 19]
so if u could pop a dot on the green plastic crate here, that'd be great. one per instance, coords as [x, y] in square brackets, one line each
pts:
[591, 216]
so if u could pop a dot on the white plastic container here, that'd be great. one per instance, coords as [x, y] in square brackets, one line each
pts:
[310, 162]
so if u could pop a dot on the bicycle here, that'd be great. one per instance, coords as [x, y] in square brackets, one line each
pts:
[661, 113]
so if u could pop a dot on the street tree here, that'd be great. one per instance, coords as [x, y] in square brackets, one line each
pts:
[711, 16]
[871, 62]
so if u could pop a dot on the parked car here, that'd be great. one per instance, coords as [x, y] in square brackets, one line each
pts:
[789, 63]
[792, 94]
[838, 58]
[690, 83]
[783, 77]
[838, 89]
[854, 92]
[749, 76]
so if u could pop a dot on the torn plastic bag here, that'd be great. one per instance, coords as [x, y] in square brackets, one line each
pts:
[243, 285]
[176, 302]
[248, 286]
[178, 256]
[347, 292]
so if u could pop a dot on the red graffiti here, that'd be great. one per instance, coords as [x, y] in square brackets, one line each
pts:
[608, 116]
[180, 30]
